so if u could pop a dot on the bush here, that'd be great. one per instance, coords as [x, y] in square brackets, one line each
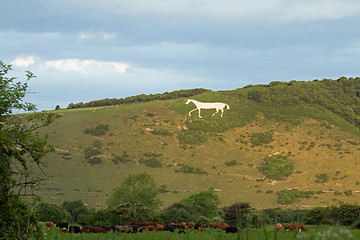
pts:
[121, 159]
[317, 216]
[91, 152]
[191, 170]
[99, 130]
[258, 139]
[162, 132]
[178, 212]
[231, 162]
[151, 162]
[203, 221]
[276, 167]
[290, 196]
[321, 178]
[191, 137]
[95, 160]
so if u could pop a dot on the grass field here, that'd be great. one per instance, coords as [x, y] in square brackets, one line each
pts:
[314, 233]
[315, 140]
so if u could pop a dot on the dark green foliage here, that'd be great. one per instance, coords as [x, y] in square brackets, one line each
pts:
[99, 130]
[139, 98]
[75, 208]
[204, 202]
[348, 192]
[48, 212]
[95, 160]
[191, 170]
[258, 139]
[191, 137]
[318, 215]
[286, 197]
[203, 221]
[276, 167]
[136, 189]
[91, 152]
[278, 215]
[155, 155]
[18, 222]
[231, 163]
[346, 214]
[237, 214]
[162, 132]
[340, 97]
[151, 162]
[178, 212]
[21, 151]
[57, 107]
[321, 178]
[124, 158]
[97, 144]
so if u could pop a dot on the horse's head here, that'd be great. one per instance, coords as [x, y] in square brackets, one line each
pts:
[188, 101]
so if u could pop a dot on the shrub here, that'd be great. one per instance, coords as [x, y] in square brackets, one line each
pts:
[95, 160]
[91, 152]
[49, 212]
[121, 159]
[99, 130]
[162, 132]
[321, 177]
[290, 196]
[97, 144]
[191, 170]
[316, 216]
[276, 167]
[348, 192]
[151, 162]
[191, 137]
[258, 139]
[231, 162]
[203, 221]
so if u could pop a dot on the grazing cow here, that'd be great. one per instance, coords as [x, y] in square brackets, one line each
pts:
[224, 226]
[144, 230]
[291, 227]
[160, 227]
[197, 225]
[184, 225]
[231, 229]
[171, 227]
[138, 224]
[124, 229]
[302, 228]
[215, 225]
[191, 225]
[278, 227]
[92, 229]
[181, 231]
[135, 228]
[49, 225]
[74, 229]
[62, 225]
[201, 229]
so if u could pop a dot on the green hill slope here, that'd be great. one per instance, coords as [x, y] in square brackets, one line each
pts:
[311, 125]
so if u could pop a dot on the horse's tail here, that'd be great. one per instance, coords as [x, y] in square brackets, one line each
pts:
[227, 105]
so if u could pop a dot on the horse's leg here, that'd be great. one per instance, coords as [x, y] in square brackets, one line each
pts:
[192, 111]
[222, 111]
[199, 113]
[217, 110]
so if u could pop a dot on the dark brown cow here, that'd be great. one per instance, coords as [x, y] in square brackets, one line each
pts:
[302, 228]
[201, 229]
[291, 227]
[278, 227]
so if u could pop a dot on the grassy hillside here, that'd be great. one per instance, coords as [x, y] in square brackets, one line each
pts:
[312, 125]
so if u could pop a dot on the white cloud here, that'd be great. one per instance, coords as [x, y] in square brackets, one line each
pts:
[97, 35]
[84, 66]
[23, 61]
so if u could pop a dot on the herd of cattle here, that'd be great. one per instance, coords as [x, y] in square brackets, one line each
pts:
[135, 227]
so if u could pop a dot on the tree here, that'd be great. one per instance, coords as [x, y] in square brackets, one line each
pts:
[57, 107]
[21, 148]
[48, 212]
[237, 214]
[205, 202]
[75, 208]
[136, 189]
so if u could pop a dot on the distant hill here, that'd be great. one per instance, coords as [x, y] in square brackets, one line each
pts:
[285, 144]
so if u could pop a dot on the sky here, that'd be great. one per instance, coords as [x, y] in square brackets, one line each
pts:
[84, 50]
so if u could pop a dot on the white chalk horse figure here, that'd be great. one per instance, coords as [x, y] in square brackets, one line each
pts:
[219, 106]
